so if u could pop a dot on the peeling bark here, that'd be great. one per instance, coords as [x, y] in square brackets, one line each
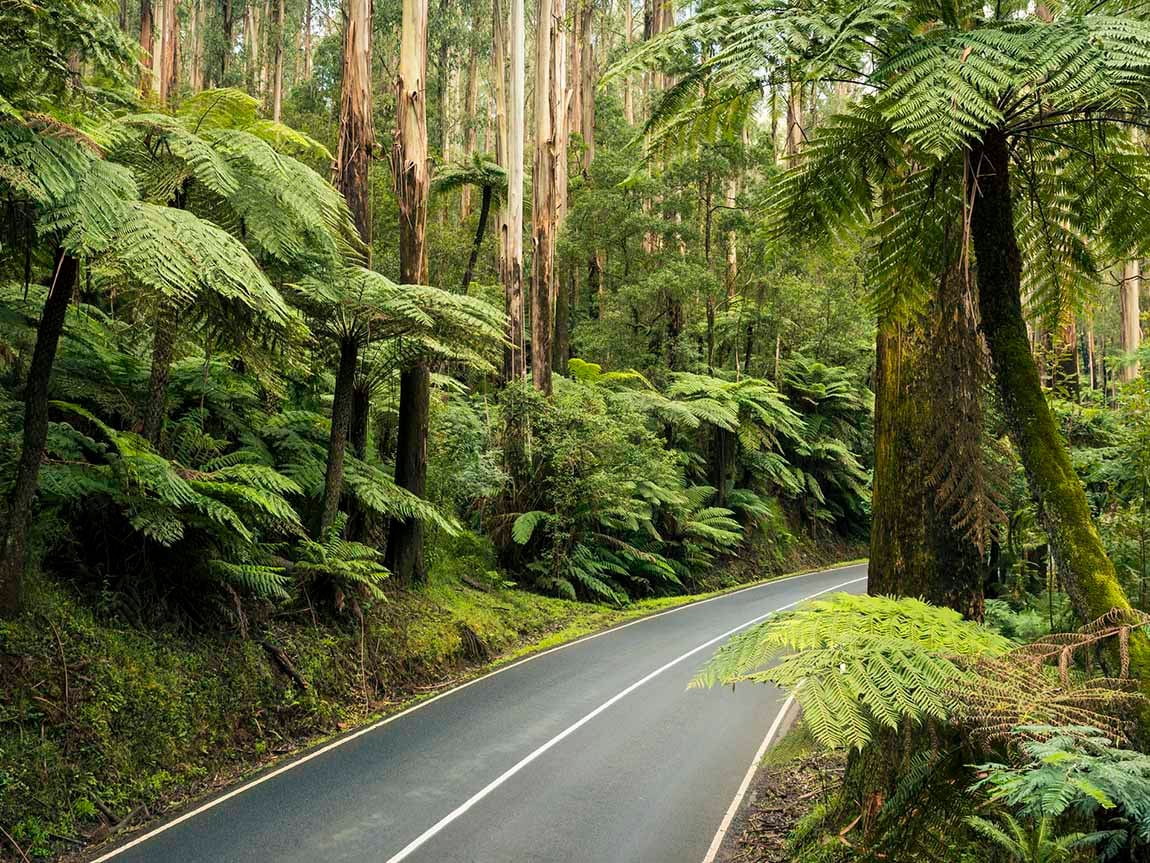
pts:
[412, 182]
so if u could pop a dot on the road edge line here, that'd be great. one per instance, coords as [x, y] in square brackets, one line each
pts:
[446, 821]
[342, 739]
[736, 804]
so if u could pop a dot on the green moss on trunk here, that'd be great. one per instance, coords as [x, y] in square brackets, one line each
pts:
[915, 548]
[1090, 578]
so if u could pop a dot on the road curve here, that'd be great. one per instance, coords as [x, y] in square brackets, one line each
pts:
[591, 753]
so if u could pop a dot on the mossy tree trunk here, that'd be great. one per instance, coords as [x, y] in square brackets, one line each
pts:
[1089, 576]
[14, 530]
[915, 548]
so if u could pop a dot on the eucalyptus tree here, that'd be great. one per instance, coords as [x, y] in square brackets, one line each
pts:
[1008, 118]
[412, 183]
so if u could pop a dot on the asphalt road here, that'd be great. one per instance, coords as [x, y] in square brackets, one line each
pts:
[595, 752]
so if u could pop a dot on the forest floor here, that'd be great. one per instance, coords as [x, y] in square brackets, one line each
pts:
[105, 726]
[795, 776]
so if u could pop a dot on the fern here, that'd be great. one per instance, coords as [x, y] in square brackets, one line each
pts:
[1075, 770]
[863, 662]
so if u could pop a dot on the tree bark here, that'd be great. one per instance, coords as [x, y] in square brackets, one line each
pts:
[471, 118]
[795, 134]
[357, 517]
[480, 230]
[1087, 572]
[341, 410]
[512, 229]
[1131, 318]
[915, 549]
[163, 346]
[549, 113]
[19, 515]
[628, 35]
[278, 71]
[351, 178]
[169, 52]
[562, 345]
[307, 51]
[147, 37]
[1064, 375]
[405, 539]
[356, 136]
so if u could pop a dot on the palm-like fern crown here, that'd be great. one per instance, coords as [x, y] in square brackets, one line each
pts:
[1060, 80]
[368, 307]
[218, 159]
[479, 171]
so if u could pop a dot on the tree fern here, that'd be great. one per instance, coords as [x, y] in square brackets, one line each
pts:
[861, 662]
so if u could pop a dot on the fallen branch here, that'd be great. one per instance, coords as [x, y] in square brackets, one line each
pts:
[19, 850]
[285, 663]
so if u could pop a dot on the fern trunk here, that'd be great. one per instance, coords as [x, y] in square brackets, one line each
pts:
[405, 536]
[163, 346]
[480, 230]
[1089, 576]
[341, 409]
[357, 517]
[15, 528]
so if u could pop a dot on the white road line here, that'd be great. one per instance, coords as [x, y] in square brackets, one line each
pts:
[460, 810]
[367, 729]
[717, 842]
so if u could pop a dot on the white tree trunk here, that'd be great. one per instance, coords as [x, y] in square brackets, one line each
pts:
[1130, 313]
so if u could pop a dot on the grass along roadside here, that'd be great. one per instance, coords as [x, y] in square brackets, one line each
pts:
[106, 727]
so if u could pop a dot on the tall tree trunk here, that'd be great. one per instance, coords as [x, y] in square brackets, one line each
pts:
[278, 70]
[1065, 372]
[480, 230]
[510, 42]
[1087, 572]
[341, 410]
[13, 540]
[574, 62]
[589, 74]
[1131, 318]
[163, 346]
[169, 52]
[405, 539]
[562, 346]
[471, 118]
[147, 38]
[227, 24]
[356, 140]
[356, 137]
[549, 113]
[628, 35]
[442, 76]
[307, 51]
[357, 518]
